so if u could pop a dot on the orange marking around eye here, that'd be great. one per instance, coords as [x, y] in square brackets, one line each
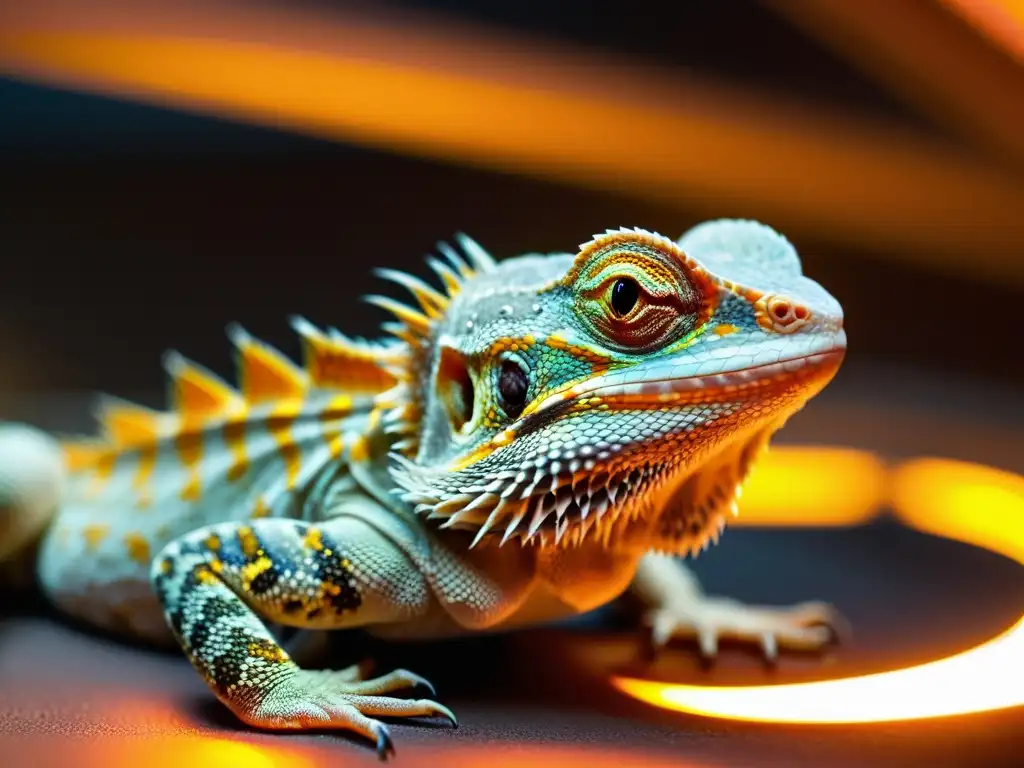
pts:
[279, 424]
[138, 548]
[555, 341]
[725, 329]
[94, 535]
[500, 440]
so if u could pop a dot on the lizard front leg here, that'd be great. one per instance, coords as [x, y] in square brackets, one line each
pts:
[217, 582]
[677, 608]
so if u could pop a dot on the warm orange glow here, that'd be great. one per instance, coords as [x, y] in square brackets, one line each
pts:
[483, 97]
[969, 503]
[790, 485]
[1002, 21]
[975, 504]
[167, 751]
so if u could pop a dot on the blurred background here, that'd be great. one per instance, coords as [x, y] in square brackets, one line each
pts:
[168, 167]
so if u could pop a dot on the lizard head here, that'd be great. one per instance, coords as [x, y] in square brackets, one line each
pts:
[618, 395]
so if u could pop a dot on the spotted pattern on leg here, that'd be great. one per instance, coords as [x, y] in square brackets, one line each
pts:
[216, 583]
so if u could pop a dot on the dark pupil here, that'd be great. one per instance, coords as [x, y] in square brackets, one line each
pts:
[625, 292]
[512, 386]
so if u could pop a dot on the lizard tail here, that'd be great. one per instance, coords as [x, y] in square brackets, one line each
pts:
[31, 483]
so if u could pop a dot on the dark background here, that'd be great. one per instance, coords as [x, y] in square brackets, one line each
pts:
[128, 229]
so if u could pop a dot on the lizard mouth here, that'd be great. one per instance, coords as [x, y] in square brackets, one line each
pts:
[549, 498]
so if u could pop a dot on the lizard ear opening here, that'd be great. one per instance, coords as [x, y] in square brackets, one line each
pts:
[455, 389]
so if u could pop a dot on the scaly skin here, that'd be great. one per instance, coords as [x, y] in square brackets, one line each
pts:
[536, 438]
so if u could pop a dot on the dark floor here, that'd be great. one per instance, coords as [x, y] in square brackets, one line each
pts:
[542, 697]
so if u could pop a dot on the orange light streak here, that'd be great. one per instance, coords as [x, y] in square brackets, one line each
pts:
[490, 99]
[960, 501]
[790, 484]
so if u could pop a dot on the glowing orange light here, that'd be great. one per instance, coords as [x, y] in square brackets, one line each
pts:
[167, 751]
[965, 502]
[790, 484]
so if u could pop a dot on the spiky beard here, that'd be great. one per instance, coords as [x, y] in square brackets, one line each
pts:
[658, 505]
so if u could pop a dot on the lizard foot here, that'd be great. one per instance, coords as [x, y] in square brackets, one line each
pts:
[811, 626]
[314, 699]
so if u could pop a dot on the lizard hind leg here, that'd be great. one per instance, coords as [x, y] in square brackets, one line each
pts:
[216, 583]
[31, 482]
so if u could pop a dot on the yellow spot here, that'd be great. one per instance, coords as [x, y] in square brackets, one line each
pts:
[360, 450]
[212, 542]
[262, 509]
[165, 566]
[251, 570]
[313, 539]
[725, 329]
[147, 462]
[138, 547]
[192, 489]
[102, 473]
[339, 406]
[335, 444]
[216, 565]
[189, 444]
[234, 437]
[82, 454]
[248, 542]
[204, 575]
[94, 535]
[269, 652]
[279, 424]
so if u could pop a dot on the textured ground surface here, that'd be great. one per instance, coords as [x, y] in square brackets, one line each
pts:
[541, 698]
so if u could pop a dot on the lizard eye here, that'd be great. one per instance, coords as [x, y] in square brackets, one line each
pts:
[513, 384]
[638, 293]
[625, 293]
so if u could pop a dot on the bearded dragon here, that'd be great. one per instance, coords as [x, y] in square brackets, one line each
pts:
[533, 439]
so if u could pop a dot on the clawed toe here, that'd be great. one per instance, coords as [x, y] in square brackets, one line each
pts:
[808, 627]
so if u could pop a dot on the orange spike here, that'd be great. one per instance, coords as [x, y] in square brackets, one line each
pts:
[452, 282]
[127, 425]
[415, 321]
[195, 391]
[339, 363]
[431, 302]
[265, 373]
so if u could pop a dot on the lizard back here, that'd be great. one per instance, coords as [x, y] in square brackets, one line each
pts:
[219, 454]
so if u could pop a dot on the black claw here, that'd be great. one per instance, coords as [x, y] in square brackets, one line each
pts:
[385, 747]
